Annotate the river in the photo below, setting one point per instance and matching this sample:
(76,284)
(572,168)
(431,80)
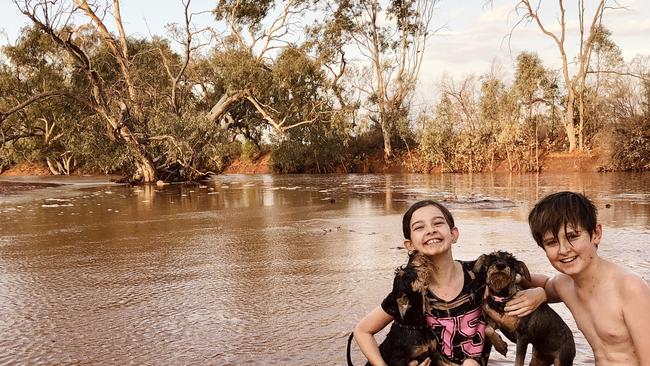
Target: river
(256,269)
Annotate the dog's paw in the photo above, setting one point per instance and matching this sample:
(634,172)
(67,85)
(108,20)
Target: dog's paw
(501,346)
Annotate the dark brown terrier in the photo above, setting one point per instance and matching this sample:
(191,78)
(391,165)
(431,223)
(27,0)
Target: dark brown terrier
(551,338)
(409,337)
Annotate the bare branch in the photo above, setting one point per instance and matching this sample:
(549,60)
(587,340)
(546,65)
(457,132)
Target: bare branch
(36,98)
(621,73)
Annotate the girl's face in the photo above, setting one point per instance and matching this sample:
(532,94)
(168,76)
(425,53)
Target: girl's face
(430,232)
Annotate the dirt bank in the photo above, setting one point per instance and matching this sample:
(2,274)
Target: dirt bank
(558,162)
(18,187)
(404,163)
(21,170)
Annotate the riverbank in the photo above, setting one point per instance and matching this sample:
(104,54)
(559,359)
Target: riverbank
(21,189)
(557,162)
(9,188)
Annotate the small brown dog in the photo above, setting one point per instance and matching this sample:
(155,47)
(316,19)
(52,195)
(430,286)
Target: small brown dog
(409,337)
(551,338)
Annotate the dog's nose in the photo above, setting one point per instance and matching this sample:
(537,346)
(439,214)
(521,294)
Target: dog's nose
(501,266)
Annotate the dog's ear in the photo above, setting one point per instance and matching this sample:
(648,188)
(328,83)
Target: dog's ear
(403,306)
(521,268)
(478,265)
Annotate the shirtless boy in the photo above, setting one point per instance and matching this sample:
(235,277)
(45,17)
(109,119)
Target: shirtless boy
(610,304)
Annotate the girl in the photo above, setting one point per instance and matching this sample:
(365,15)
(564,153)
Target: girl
(455,294)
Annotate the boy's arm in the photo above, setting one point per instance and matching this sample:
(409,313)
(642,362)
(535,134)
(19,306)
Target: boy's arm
(545,282)
(538,290)
(364,333)
(636,302)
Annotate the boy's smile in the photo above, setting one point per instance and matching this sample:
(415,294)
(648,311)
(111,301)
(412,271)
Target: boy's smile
(572,252)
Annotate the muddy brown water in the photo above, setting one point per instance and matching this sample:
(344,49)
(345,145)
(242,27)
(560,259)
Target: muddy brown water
(257,270)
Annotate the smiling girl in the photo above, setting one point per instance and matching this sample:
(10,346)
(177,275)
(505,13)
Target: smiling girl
(455,294)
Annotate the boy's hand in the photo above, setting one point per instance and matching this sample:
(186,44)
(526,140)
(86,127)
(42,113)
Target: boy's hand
(525,302)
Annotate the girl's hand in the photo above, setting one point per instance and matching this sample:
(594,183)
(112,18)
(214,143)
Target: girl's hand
(426,362)
(525,302)
(470,362)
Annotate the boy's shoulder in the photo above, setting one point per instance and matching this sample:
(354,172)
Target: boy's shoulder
(618,281)
(633,285)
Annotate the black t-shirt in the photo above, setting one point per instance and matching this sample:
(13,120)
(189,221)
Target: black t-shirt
(457,324)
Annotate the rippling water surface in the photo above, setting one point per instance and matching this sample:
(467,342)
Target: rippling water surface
(260,270)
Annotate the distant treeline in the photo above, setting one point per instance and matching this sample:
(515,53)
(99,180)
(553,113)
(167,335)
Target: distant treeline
(79,97)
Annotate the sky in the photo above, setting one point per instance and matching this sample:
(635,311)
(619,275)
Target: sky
(472,37)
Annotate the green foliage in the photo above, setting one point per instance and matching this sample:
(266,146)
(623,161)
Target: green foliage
(631,145)
(244,11)
(438,139)
(249,151)
(306,91)
(313,149)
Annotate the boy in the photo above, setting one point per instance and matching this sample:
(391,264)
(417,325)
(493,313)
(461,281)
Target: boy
(610,304)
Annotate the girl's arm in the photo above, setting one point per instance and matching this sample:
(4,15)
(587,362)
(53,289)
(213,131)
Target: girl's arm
(636,302)
(364,333)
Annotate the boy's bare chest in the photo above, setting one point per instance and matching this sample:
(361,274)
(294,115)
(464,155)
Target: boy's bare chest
(601,322)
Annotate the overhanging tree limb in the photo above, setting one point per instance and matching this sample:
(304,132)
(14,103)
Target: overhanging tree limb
(36,98)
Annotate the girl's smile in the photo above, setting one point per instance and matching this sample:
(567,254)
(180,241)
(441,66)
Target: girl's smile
(430,232)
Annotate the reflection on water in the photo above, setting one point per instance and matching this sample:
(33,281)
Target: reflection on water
(256,269)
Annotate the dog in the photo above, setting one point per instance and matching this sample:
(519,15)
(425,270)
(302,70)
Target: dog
(551,338)
(409,337)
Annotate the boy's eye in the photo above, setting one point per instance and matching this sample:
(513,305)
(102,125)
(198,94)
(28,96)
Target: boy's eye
(573,235)
(438,223)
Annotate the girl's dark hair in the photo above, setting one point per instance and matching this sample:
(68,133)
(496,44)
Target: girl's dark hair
(557,210)
(406,219)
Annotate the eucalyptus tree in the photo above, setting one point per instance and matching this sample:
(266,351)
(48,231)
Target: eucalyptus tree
(392,37)
(138,89)
(439,139)
(257,35)
(535,89)
(121,110)
(35,121)
(588,30)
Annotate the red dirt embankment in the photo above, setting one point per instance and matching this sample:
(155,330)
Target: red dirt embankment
(259,165)
(22,170)
(557,162)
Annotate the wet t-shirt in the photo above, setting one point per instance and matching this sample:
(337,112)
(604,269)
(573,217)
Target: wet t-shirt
(457,324)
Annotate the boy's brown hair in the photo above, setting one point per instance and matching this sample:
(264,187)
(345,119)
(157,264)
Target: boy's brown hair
(558,210)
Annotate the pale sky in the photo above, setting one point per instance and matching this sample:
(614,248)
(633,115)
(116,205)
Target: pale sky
(473,38)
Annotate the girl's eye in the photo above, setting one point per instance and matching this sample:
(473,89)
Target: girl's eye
(417,227)
(550,243)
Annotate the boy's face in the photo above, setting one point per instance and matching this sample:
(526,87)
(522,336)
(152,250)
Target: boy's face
(430,233)
(572,253)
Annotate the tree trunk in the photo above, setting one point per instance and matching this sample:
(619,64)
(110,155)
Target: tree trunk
(147,169)
(568,123)
(226,101)
(385,131)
